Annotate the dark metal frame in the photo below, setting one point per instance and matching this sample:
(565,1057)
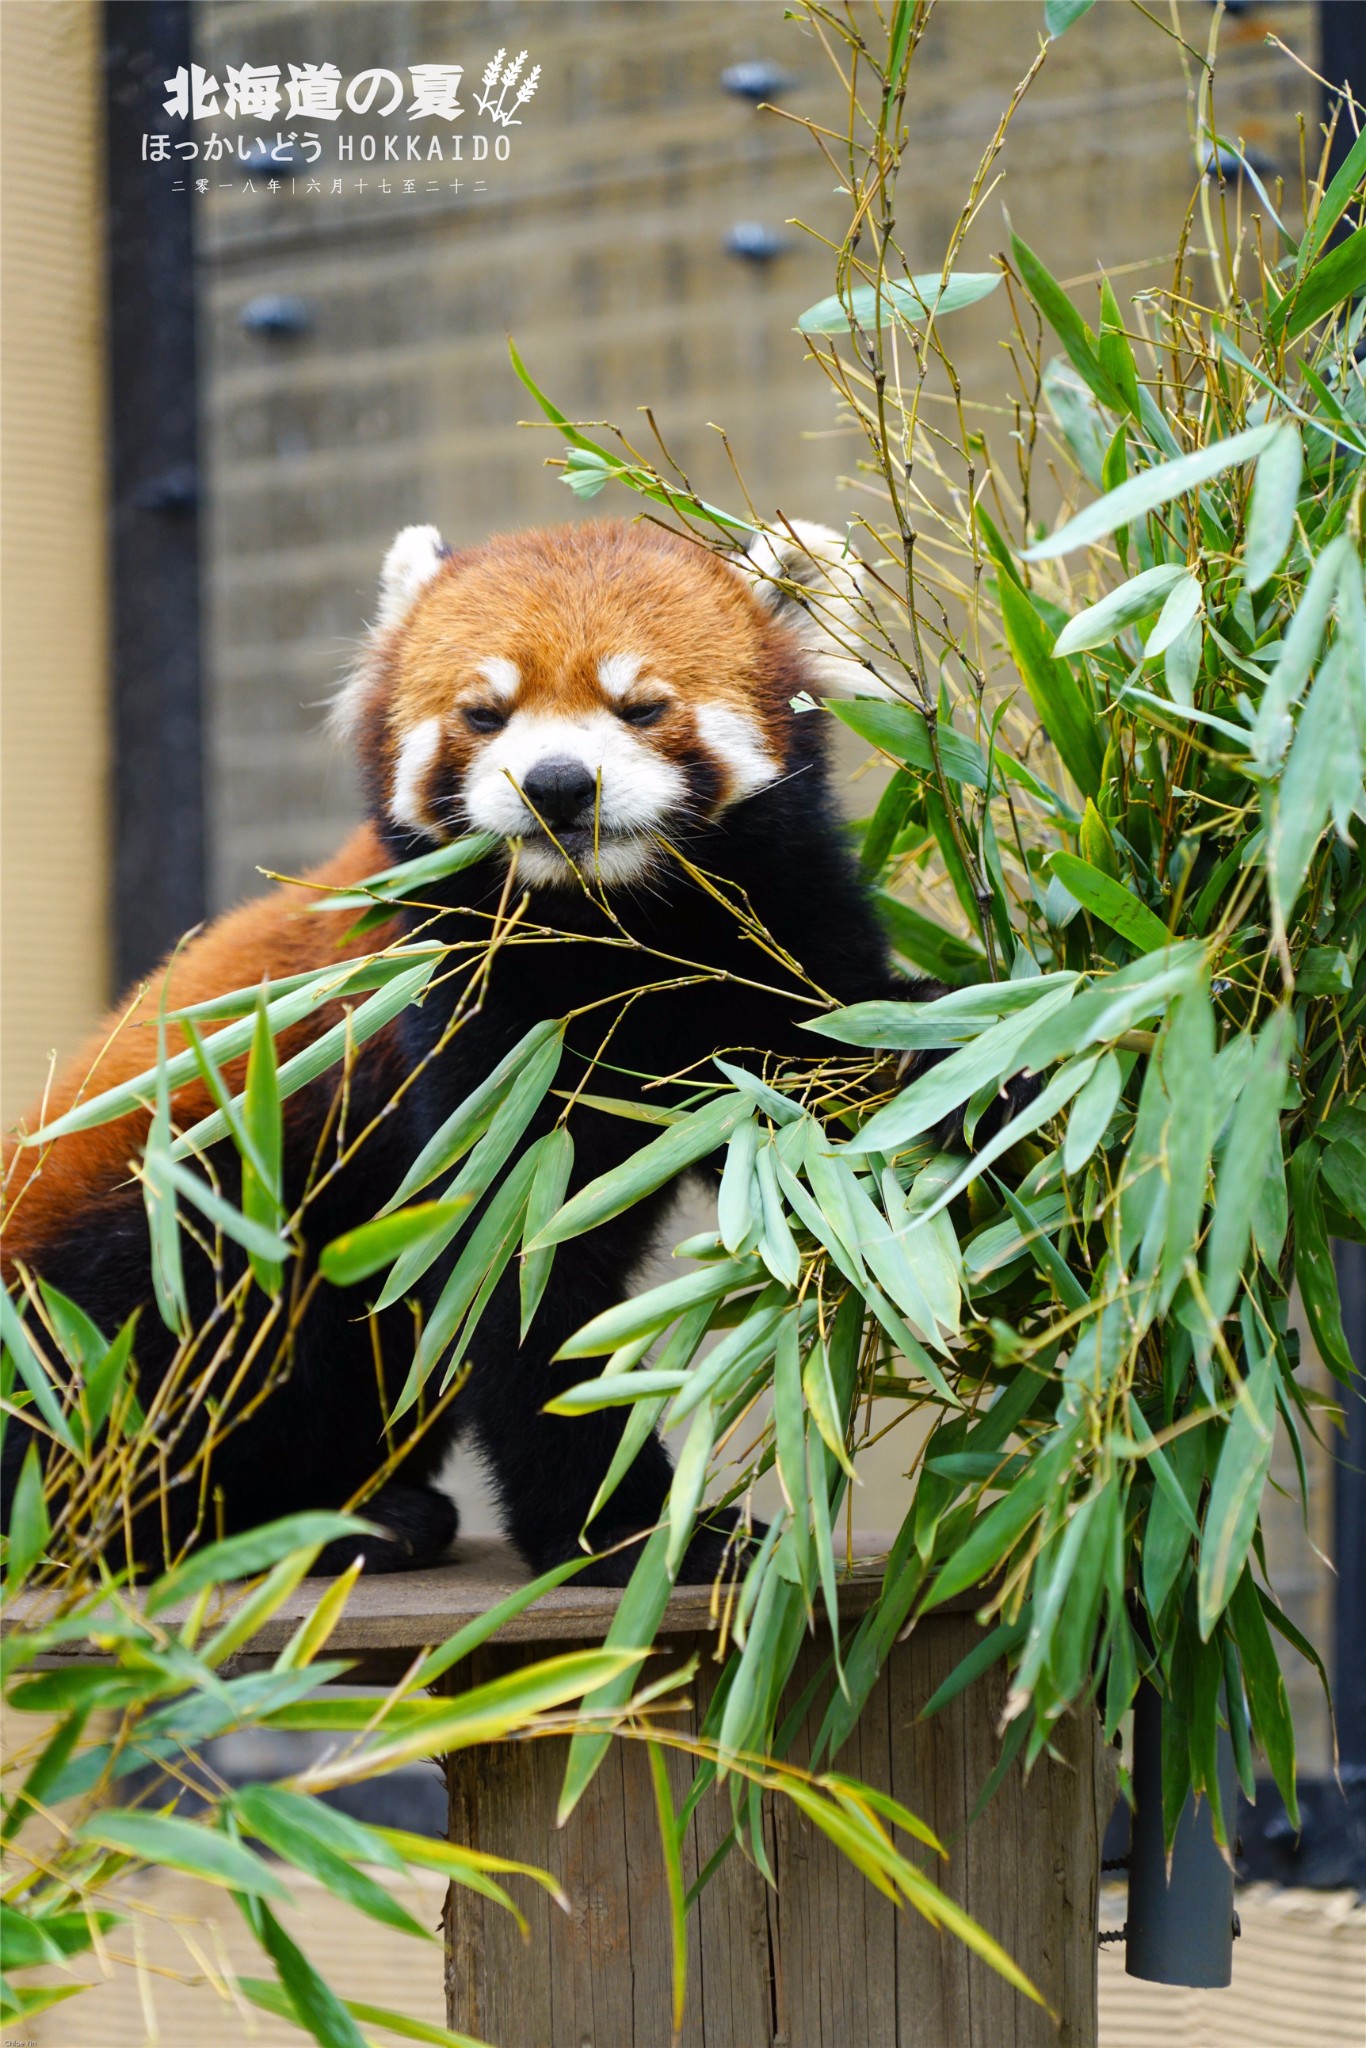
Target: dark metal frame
(158,849)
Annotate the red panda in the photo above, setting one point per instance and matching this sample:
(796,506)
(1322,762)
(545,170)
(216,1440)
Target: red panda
(602,698)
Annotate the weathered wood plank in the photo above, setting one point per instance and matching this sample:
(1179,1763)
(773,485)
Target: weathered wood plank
(825,1959)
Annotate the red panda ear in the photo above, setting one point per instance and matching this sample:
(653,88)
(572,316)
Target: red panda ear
(413,559)
(809,577)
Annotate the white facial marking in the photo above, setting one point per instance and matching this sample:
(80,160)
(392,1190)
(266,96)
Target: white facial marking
(502,676)
(738,744)
(639,788)
(412,561)
(407,803)
(621,860)
(617,672)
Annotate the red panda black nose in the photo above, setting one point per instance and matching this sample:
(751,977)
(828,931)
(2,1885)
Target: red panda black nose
(561,791)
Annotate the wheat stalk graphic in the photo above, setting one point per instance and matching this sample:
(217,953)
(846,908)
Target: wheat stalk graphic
(532,81)
(491,71)
(499,79)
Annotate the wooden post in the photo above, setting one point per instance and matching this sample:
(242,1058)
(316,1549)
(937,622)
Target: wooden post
(822,1960)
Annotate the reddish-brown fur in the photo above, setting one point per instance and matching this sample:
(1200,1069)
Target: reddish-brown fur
(274,935)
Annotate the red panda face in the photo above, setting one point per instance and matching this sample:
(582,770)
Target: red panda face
(588,693)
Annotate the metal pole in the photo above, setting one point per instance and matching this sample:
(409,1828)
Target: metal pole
(1181,1924)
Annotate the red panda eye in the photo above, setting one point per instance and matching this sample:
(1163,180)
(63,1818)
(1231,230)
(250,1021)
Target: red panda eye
(645,714)
(484,718)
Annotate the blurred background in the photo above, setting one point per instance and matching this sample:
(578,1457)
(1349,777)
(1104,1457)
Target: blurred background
(219,404)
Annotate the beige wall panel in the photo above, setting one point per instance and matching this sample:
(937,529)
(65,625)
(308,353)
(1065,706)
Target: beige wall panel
(54,761)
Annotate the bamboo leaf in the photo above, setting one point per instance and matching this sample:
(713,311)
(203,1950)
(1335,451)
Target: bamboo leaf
(554,1165)
(32,1370)
(1323,775)
(777,1245)
(1299,649)
(681,1146)
(283,1011)
(1272,1723)
(1063,317)
(1059,15)
(639,1613)
(927,945)
(241,1557)
(670,1843)
(913,300)
(949,1020)
(1188,1073)
(286,1823)
(274,1999)
(991,1536)
(1053,690)
(1092,1111)
(471,1118)
(689,1483)
(1334,201)
(644,1314)
(932,1096)
(1314,1269)
(400,884)
(255,1238)
(469,1638)
(1178,614)
(1236,1494)
(525,1092)
(1255,1131)
(1327,281)
(477,1271)
(735,1201)
(365,1020)
(900,730)
(1121,607)
(159,1203)
(487,1713)
(317,2008)
(107,1375)
(29,1527)
(1151,489)
(185,1845)
(1275,497)
(1111,902)
(262,1165)
(371,1246)
(818,1386)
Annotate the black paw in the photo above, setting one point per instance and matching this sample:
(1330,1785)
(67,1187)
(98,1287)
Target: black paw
(419,1526)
